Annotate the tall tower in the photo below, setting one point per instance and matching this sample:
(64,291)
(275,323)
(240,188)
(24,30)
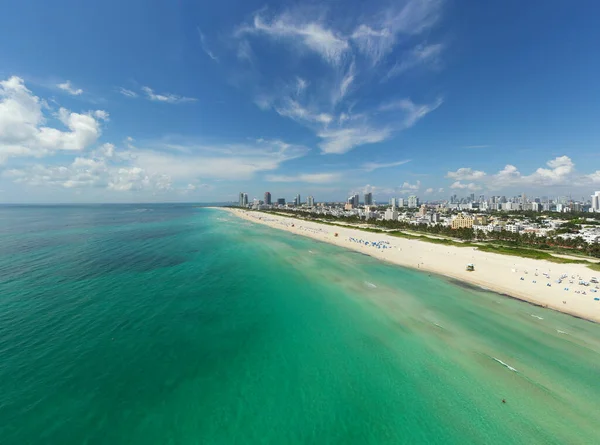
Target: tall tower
(298,201)
(241,200)
(596,202)
(268,198)
(369,199)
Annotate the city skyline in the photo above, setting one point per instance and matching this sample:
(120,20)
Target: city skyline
(414,200)
(414,97)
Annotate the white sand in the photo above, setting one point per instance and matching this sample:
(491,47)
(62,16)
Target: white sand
(500,273)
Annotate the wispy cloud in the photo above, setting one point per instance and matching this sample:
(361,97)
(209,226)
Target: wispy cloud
(421,55)
(297,29)
(205,47)
(477,146)
(371,166)
(377,37)
(327,99)
(342,140)
(166,97)
(66,86)
(312,178)
(414,112)
(127,93)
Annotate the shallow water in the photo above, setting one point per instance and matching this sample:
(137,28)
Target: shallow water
(173,324)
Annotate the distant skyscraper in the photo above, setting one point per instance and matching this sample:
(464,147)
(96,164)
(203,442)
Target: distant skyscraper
(241,201)
(369,199)
(268,198)
(310,201)
(400,203)
(245,199)
(281,201)
(356,201)
(297,201)
(413,202)
(393,202)
(596,202)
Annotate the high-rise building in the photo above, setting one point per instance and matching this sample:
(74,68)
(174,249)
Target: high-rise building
(241,201)
(393,203)
(297,200)
(413,202)
(400,203)
(310,201)
(245,200)
(356,201)
(369,199)
(268,198)
(596,202)
(281,201)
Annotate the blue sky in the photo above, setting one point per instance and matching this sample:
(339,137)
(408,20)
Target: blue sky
(197,101)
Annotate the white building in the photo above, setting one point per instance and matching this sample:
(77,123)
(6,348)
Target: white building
(413,202)
(391,215)
(596,202)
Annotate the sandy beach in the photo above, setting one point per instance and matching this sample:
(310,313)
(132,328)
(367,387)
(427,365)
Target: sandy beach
(534,281)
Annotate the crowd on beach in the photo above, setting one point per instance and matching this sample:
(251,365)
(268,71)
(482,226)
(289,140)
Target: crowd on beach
(574,280)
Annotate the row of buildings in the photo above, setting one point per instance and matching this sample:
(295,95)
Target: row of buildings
(469,203)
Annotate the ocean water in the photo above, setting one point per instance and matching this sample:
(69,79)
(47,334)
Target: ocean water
(169,324)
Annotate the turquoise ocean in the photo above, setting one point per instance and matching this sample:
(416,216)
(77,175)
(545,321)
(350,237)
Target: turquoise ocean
(172,324)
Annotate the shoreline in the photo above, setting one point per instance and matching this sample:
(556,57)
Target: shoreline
(494,272)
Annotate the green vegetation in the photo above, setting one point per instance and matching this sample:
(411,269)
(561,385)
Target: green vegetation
(510,246)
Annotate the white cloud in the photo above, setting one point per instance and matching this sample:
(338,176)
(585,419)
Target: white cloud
(205,47)
(413,112)
(377,38)
(476,146)
(559,171)
(292,109)
(313,178)
(408,187)
(342,140)
(429,191)
(301,85)
(466,174)
(371,166)
(127,93)
(594,177)
(460,186)
(93,172)
(157,170)
(295,29)
(166,97)
(346,83)
(228,161)
(66,86)
(352,49)
(420,55)
(441,190)
(22,129)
